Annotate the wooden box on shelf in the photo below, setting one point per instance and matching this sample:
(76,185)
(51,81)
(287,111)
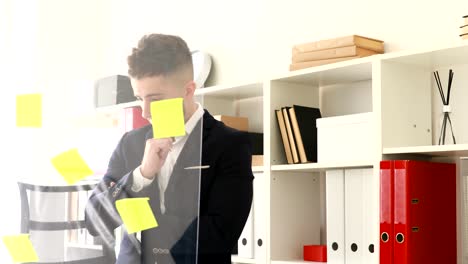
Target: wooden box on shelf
(236,122)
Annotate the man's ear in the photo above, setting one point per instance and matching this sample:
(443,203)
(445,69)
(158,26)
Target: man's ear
(190,89)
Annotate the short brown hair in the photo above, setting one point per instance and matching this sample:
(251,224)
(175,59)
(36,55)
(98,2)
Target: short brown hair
(158,54)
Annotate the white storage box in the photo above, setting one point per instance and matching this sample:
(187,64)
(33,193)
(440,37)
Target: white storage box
(346,138)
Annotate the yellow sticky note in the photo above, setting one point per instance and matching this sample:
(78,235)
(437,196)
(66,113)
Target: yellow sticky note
(168,118)
(71,166)
(29,110)
(20,248)
(136,214)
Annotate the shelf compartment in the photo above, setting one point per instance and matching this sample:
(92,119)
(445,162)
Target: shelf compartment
(333,101)
(240,100)
(317,167)
(296,213)
(410,100)
(458,150)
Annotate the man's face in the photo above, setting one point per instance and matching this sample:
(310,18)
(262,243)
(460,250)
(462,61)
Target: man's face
(156,88)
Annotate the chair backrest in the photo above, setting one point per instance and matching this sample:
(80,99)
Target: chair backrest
(27,225)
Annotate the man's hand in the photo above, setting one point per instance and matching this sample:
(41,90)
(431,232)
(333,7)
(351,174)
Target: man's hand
(156,151)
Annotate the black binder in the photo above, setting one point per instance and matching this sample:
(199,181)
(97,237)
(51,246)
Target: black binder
(303,121)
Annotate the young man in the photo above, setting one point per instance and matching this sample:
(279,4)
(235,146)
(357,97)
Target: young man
(201,210)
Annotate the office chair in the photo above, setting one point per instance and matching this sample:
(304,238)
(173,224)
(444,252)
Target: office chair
(27,225)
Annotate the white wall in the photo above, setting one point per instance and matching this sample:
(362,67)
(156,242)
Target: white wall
(250,39)
(50,47)
(12,71)
(230,30)
(53,48)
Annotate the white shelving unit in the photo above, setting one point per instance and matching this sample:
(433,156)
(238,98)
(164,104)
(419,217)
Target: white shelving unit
(398,88)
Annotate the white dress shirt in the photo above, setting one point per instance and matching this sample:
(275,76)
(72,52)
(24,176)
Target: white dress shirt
(139,182)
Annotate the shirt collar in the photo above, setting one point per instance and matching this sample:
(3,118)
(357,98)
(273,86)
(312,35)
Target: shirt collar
(190,124)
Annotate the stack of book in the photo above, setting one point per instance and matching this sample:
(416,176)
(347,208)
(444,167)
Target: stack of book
(297,125)
(334,50)
(464,28)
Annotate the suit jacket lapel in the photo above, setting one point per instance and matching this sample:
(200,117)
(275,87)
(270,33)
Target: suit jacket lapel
(190,156)
(149,133)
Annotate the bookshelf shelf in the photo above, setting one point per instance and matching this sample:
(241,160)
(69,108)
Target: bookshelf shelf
(113,108)
(316,167)
(459,150)
(258,168)
(341,72)
(236,92)
(238,260)
(295,262)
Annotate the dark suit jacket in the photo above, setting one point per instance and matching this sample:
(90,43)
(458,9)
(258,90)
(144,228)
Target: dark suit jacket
(224,196)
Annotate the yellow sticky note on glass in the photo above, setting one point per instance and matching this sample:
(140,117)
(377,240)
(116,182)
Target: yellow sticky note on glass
(20,248)
(71,166)
(136,214)
(168,118)
(29,110)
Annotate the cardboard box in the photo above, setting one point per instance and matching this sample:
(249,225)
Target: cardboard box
(236,122)
(257,160)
